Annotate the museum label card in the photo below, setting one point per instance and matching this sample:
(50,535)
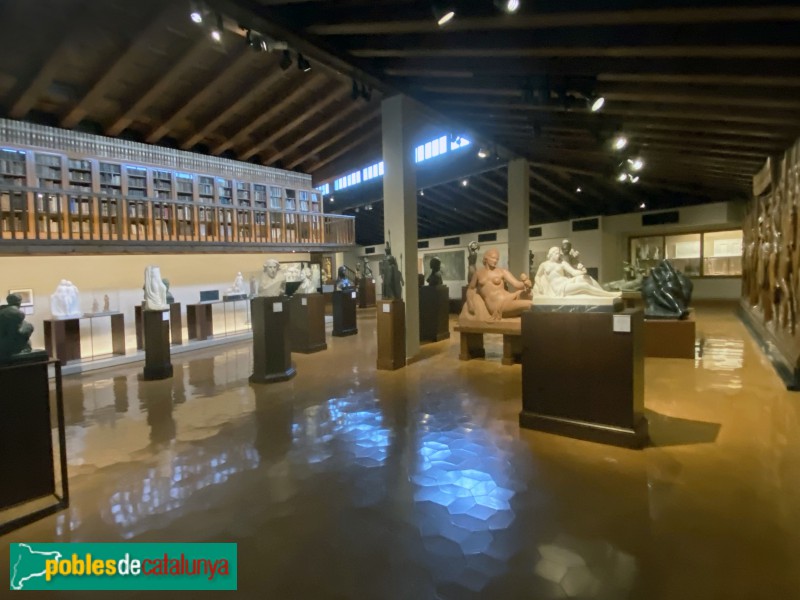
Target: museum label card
(165,315)
(622,323)
(303,301)
(277,307)
(387,307)
(352,294)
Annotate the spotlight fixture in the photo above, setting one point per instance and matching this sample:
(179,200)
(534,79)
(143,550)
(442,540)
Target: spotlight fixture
(303,64)
(422,192)
(507,6)
(578,190)
(636,164)
(620,142)
(634,178)
(331,198)
(483,153)
(642,205)
(443,15)
(596,103)
(464,182)
(622,177)
(286,60)
(216,30)
(196,14)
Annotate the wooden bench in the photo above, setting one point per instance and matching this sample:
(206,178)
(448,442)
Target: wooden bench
(472,340)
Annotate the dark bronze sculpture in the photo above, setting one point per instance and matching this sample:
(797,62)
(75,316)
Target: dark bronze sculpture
(392,277)
(14,330)
(435,278)
(343,282)
(666,292)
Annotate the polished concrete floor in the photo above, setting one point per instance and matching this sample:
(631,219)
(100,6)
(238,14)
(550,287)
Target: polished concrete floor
(347,482)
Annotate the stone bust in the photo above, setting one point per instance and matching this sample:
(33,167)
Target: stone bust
(15,332)
(343,282)
(435,278)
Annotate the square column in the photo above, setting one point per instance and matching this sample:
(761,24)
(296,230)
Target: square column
(519,192)
(400,205)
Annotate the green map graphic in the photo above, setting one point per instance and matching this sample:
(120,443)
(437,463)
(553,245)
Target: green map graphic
(29,564)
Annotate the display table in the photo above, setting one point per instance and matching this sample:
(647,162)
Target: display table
(26,442)
(366,293)
(670,338)
(344,313)
(391,334)
(200,317)
(62,337)
(307,323)
(472,340)
(175,325)
(434,318)
(157,359)
(583,375)
(272,353)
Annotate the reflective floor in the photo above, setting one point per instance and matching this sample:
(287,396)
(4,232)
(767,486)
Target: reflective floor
(347,482)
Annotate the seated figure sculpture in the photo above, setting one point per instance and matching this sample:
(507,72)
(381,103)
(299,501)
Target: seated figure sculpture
(435,278)
(556,278)
(273,280)
(343,283)
(155,292)
(14,330)
(666,292)
(487,298)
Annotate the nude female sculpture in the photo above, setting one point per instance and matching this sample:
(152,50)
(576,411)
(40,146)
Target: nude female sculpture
(558,279)
(486,288)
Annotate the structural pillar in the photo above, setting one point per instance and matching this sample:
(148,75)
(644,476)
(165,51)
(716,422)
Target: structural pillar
(400,204)
(519,191)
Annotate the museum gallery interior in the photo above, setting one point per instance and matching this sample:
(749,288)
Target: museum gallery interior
(405,299)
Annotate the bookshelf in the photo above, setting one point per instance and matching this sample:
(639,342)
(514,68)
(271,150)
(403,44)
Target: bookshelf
(275,198)
(49,205)
(260,196)
(13,203)
(225,192)
(137,182)
(110,186)
(205,189)
(291,200)
(242,193)
(163,185)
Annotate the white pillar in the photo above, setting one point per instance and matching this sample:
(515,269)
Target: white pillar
(400,204)
(519,189)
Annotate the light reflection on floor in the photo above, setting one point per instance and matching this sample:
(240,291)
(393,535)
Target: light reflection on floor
(419,483)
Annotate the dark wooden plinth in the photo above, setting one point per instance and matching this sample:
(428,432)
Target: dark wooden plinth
(391,334)
(175,325)
(199,321)
(26,446)
(344,313)
(62,339)
(307,323)
(434,324)
(272,352)
(582,379)
(366,293)
(472,341)
(157,359)
(670,338)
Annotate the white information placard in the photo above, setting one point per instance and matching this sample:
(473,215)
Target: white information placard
(165,315)
(303,301)
(387,307)
(352,294)
(277,307)
(622,323)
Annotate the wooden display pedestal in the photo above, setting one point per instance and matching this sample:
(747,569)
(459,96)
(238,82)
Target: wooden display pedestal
(27,469)
(391,335)
(670,338)
(200,321)
(583,376)
(62,337)
(344,313)
(366,293)
(272,353)
(307,323)
(157,359)
(175,325)
(434,324)
(472,340)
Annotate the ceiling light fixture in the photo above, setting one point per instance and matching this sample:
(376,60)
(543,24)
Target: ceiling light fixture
(579,190)
(596,103)
(443,15)
(303,64)
(422,192)
(637,164)
(507,6)
(642,205)
(331,199)
(196,13)
(483,153)
(620,142)
(622,177)
(634,179)
(464,182)
(286,60)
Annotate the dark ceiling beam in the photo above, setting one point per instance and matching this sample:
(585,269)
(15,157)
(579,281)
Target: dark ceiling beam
(305,87)
(158,88)
(758,81)
(222,77)
(324,125)
(371,132)
(360,156)
(264,86)
(357,124)
(133,45)
(34,85)
(488,208)
(438,205)
(564,19)
(318,106)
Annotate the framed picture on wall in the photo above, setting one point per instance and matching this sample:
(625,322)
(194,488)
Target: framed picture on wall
(25,293)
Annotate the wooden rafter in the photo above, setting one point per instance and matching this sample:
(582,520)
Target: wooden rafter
(370,133)
(335,138)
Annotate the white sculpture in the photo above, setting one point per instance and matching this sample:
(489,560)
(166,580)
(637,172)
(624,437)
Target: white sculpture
(556,278)
(307,284)
(65,303)
(155,292)
(238,288)
(273,280)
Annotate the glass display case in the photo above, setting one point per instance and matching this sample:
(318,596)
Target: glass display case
(704,254)
(684,252)
(722,253)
